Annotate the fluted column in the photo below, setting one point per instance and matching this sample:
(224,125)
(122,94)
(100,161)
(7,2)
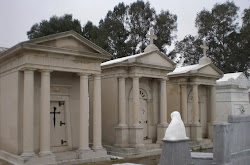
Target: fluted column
(122,102)
(97,118)
(45,114)
(213,103)
(28,114)
(136,101)
(184,103)
(84,112)
(163,103)
(195,104)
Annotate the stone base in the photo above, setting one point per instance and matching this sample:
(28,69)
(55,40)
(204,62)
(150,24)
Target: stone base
(161,129)
(176,152)
(147,150)
(188,130)
(136,137)
(210,130)
(196,131)
(121,136)
(60,158)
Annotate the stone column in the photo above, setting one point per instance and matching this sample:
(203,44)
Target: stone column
(161,128)
(195,126)
(195,104)
(184,103)
(97,114)
(136,131)
(84,112)
(184,111)
(136,101)
(28,114)
(45,114)
(122,102)
(213,103)
(121,131)
(212,111)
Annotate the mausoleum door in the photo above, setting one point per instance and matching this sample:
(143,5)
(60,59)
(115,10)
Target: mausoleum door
(144,113)
(57,126)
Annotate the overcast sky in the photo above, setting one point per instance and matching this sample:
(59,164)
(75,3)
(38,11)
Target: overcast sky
(17,16)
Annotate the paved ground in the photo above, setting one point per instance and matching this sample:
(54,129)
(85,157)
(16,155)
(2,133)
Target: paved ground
(2,162)
(151,160)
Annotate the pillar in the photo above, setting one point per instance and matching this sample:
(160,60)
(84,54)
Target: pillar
(84,112)
(28,114)
(122,102)
(163,103)
(136,131)
(184,113)
(136,101)
(45,114)
(162,126)
(213,103)
(212,111)
(195,104)
(97,118)
(195,126)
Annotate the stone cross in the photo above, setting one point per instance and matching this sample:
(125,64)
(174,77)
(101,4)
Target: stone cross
(151,36)
(205,48)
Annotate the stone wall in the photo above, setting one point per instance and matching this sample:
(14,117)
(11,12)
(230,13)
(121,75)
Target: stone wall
(231,141)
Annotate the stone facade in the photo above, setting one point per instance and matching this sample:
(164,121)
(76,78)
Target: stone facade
(44,100)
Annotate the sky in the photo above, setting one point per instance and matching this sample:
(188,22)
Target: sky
(17,16)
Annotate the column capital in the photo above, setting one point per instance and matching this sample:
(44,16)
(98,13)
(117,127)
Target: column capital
(195,83)
(164,79)
(83,74)
(45,70)
(28,69)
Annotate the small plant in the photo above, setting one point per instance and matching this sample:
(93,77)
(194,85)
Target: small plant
(113,158)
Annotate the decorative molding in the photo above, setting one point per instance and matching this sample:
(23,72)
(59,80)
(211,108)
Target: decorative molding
(61,90)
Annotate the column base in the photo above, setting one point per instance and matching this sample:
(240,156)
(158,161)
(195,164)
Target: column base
(188,129)
(45,153)
(28,155)
(82,153)
(136,136)
(161,129)
(121,136)
(96,148)
(195,131)
(210,130)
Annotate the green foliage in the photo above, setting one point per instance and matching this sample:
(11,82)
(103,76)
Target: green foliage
(54,25)
(228,43)
(122,32)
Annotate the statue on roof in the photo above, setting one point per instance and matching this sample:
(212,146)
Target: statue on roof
(204,59)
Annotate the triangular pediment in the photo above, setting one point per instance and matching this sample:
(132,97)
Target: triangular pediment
(155,58)
(210,70)
(69,40)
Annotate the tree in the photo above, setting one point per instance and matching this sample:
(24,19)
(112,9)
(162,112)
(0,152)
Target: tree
(228,46)
(54,25)
(122,32)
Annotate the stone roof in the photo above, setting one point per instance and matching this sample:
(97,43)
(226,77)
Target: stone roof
(237,79)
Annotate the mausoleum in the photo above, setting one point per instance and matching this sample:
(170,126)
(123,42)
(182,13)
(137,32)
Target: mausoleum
(141,91)
(47,86)
(232,95)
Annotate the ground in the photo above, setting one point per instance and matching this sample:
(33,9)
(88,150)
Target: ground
(150,160)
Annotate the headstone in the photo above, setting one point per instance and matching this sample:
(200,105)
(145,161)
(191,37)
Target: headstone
(175,149)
